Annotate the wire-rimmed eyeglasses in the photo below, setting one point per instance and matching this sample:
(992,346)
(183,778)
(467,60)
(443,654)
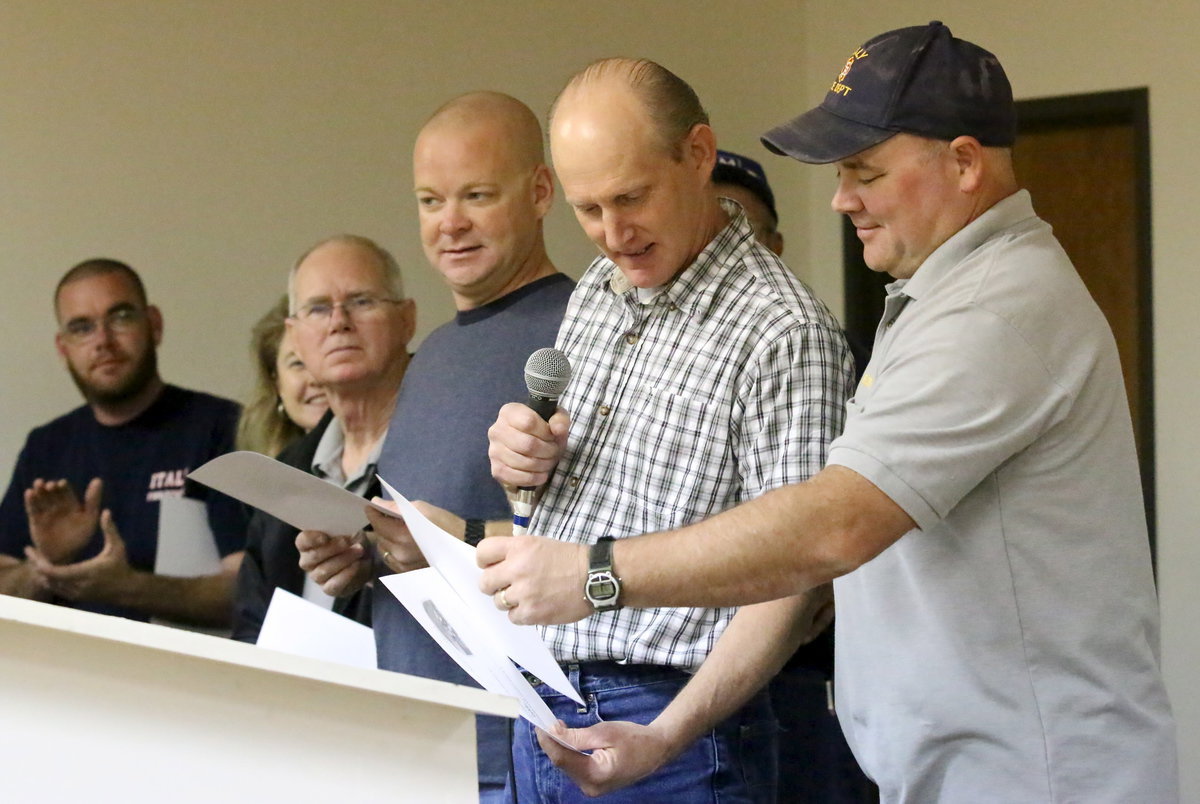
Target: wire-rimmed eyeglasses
(120,319)
(357,306)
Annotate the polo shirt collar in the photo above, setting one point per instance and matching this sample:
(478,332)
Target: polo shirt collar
(327,460)
(1002,216)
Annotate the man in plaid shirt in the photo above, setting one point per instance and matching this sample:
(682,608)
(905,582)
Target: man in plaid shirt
(981,512)
(704,375)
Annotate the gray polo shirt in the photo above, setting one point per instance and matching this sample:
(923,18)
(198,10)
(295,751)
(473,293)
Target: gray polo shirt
(1008,648)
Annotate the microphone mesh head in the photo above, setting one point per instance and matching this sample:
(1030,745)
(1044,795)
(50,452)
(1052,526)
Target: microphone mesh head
(547,372)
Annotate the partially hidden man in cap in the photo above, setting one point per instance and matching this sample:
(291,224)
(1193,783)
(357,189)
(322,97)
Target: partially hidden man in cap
(998,634)
(815,763)
(744,180)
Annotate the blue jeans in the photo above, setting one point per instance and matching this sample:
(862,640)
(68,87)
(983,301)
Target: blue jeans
(733,763)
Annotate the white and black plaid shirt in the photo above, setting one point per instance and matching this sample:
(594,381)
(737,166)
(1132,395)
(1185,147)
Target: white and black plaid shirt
(731,382)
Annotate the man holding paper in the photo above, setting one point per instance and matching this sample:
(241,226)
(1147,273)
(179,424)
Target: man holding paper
(482,189)
(350,323)
(705,374)
(998,629)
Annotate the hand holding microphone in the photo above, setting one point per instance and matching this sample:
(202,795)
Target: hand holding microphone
(526,440)
(547,372)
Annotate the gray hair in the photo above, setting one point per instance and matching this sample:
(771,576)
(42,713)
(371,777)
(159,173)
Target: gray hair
(392,279)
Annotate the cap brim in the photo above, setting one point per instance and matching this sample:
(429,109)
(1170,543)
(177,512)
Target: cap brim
(819,137)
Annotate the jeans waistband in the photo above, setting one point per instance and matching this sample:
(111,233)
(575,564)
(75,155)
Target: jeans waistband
(595,676)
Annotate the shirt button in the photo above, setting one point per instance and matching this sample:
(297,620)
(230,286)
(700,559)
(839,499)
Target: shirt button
(631,338)
(604,410)
(888,325)
(573,482)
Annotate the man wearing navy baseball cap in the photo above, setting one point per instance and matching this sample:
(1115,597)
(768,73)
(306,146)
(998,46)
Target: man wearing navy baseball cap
(744,180)
(998,630)
(815,763)
(921,81)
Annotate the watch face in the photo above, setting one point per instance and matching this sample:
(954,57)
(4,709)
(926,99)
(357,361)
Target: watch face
(602,587)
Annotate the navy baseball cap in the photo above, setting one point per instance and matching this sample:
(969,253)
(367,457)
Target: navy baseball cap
(919,80)
(743,171)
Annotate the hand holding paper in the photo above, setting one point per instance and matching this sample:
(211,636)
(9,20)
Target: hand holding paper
(444,598)
(454,561)
(340,565)
(394,540)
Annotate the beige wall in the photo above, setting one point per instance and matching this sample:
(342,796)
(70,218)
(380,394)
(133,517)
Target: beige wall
(208,142)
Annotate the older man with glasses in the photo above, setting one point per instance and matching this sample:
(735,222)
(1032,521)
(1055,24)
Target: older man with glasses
(129,447)
(350,323)
(482,190)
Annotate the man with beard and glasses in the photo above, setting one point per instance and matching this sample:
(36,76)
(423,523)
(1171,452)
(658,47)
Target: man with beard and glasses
(131,445)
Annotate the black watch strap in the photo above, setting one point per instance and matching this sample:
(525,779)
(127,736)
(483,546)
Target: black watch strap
(475,531)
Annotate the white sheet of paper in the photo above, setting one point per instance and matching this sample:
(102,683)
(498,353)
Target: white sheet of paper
(309,503)
(441,612)
(285,492)
(455,562)
(294,625)
(186,547)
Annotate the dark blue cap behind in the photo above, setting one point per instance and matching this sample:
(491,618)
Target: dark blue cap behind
(743,171)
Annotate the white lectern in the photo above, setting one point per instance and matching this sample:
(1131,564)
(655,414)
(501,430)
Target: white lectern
(97,709)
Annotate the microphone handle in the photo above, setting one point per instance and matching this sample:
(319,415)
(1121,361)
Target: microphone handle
(523,509)
(543,406)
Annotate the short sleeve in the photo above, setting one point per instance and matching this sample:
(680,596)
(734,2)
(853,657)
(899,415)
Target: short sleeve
(964,394)
(14,525)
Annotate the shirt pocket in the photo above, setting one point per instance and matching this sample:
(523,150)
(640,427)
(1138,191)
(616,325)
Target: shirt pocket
(680,459)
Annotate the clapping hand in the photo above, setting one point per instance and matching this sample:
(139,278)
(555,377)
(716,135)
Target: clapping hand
(59,524)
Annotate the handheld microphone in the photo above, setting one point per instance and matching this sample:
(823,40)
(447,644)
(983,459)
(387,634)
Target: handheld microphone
(547,372)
